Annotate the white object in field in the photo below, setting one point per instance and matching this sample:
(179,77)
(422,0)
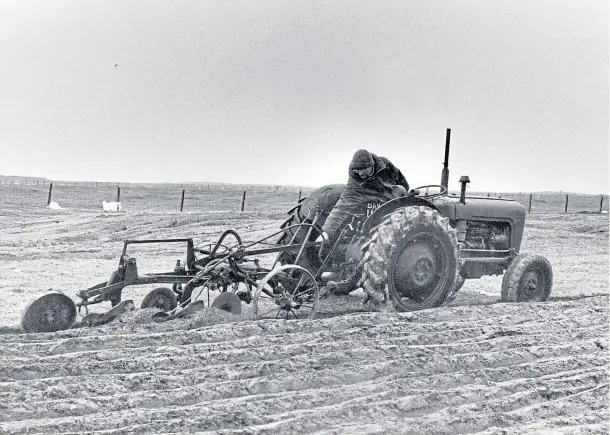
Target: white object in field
(54,206)
(111,206)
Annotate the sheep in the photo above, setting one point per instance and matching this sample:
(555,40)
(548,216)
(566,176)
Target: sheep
(111,206)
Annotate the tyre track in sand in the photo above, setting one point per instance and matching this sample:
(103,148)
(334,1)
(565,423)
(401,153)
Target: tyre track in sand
(483,369)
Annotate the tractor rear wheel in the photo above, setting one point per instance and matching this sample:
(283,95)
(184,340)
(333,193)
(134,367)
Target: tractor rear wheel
(411,260)
(459,283)
(529,278)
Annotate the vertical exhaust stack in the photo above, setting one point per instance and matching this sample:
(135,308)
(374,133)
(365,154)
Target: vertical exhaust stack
(445,174)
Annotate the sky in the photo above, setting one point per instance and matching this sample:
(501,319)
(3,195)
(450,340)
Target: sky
(285,91)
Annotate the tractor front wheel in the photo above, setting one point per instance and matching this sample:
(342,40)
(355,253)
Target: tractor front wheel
(411,260)
(529,278)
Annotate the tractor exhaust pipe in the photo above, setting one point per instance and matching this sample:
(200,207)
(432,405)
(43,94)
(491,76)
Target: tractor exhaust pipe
(445,173)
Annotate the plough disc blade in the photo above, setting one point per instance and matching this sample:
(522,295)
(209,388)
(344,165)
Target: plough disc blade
(49,313)
(229,302)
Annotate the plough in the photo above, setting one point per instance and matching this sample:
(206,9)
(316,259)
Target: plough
(287,291)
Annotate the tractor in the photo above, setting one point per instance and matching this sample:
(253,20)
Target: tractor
(415,252)
(419,249)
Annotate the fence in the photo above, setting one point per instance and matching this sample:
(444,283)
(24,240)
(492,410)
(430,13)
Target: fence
(225,197)
(555,202)
(152,197)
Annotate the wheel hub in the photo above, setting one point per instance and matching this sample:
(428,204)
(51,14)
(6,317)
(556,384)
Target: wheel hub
(416,268)
(423,271)
(285,302)
(531,284)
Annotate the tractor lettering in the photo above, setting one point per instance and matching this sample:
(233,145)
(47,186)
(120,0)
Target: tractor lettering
(371,207)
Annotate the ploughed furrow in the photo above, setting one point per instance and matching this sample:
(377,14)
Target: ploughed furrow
(405,333)
(307,390)
(111,347)
(181,331)
(420,358)
(277,376)
(589,423)
(593,422)
(446,370)
(465,409)
(327,353)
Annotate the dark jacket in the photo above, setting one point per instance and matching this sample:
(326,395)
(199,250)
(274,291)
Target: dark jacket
(358,192)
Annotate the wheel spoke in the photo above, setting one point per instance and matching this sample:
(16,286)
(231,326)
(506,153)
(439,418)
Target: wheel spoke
(302,291)
(267,312)
(264,296)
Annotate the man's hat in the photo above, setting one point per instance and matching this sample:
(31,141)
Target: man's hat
(362,159)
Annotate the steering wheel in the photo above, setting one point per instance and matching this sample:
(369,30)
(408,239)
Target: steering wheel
(443,190)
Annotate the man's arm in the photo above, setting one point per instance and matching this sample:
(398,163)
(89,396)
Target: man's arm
(397,175)
(335,219)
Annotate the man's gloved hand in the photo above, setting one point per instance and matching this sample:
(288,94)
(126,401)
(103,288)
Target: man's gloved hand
(413,192)
(323,237)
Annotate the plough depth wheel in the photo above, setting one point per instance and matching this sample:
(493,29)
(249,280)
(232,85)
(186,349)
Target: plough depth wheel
(49,313)
(289,291)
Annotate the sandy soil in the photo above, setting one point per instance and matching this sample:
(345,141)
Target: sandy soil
(477,366)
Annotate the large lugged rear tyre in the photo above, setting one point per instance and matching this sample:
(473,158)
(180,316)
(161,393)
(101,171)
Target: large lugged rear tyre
(529,278)
(411,260)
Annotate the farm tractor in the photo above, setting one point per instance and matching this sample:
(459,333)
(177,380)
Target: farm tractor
(416,251)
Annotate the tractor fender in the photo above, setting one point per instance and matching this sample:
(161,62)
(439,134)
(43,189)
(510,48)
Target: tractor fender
(388,207)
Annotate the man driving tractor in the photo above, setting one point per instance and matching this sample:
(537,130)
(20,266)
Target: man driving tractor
(372,180)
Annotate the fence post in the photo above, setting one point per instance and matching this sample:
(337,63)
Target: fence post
(529,209)
(118,197)
(182,201)
(243,201)
(300,195)
(601,203)
(50,191)
(566,208)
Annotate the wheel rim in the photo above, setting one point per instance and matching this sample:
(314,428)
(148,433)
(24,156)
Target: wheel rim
(289,292)
(417,270)
(532,286)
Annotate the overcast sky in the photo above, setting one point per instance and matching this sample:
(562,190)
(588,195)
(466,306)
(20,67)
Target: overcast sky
(285,91)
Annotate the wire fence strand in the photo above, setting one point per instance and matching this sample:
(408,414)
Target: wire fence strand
(234,197)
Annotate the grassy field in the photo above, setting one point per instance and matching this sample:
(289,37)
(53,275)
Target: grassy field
(202,198)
